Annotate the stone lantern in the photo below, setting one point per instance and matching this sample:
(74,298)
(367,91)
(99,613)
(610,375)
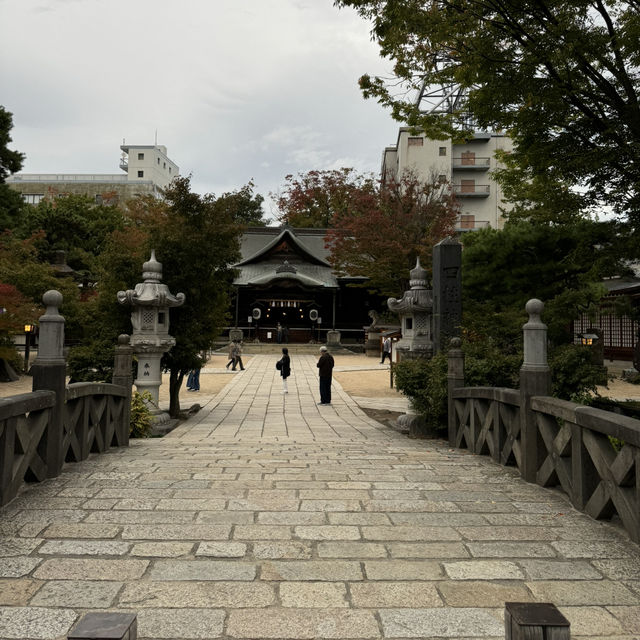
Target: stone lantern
(151,301)
(415,309)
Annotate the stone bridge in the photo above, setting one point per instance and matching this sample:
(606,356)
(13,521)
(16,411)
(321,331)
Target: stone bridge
(268,516)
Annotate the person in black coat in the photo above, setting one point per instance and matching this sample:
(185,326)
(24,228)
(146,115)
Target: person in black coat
(284,366)
(325,370)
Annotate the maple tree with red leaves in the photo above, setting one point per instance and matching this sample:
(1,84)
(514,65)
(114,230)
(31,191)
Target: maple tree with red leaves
(382,241)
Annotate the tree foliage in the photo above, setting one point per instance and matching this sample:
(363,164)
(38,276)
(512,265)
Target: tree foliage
(381,238)
(11,202)
(315,198)
(562,77)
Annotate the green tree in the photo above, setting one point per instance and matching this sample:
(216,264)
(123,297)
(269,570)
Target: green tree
(197,242)
(243,205)
(561,77)
(11,202)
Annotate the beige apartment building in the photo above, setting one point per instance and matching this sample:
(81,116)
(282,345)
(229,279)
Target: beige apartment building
(148,170)
(467,167)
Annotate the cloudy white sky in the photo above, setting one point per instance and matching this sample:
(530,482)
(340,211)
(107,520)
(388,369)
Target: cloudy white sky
(236,89)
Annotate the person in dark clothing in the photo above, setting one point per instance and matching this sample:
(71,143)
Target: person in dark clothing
(284,366)
(325,371)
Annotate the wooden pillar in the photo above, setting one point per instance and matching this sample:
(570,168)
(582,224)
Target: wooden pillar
(535,380)
(49,373)
(455,380)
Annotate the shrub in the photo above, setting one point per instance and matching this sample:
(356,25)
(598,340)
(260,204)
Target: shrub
(574,376)
(140,425)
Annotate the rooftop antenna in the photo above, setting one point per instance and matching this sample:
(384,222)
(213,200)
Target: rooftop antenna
(156,142)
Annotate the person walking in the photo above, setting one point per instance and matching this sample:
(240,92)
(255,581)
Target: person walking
(386,350)
(325,371)
(237,355)
(232,360)
(284,366)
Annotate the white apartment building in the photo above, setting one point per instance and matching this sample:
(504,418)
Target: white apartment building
(467,167)
(148,170)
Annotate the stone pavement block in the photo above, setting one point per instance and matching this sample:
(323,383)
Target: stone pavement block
(225,517)
(409,534)
(535,534)
(292,518)
(312,570)
(176,623)
(402,570)
(17,592)
(357,518)
(610,549)
(441,623)
(483,570)
(480,593)
(161,549)
(351,550)
(17,567)
(17,546)
(378,595)
(582,593)
(176,532)
(84,548)
(140,517)
(222,549)
(183,504)
(334,494)
(409,506)
(182,570)
(262,532)
(80,530)
(313,594)
(303,624)
(91,569)
(81,594)
(511,550)
(188,595)
(593,621)
(330,505)
(327,532)
(629,617)
(426,550)
(559,570)
(280,550)
(35,623)
(619,569)
(448,519)
(263,504)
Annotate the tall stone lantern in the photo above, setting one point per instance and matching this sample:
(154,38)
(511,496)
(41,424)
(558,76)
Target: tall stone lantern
(415,309)
(151,301)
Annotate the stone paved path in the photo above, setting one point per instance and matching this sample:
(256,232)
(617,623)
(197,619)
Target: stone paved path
(268,516)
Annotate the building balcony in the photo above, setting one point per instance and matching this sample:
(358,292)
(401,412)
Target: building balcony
(471,164)
(471,190)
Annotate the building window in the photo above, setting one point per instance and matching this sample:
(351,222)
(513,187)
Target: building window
(169,169)
(467,186)
(140,174)
(415,142)
(99,199)
(32,198)
(442,178)
(141,156)
(164,165)
(467,221)
(442,151)
(158,160)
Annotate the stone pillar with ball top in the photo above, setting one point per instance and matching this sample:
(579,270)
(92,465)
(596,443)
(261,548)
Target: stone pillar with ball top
(151,301)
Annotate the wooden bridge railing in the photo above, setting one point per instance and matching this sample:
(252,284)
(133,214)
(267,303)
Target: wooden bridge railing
(54,424)
(552,442)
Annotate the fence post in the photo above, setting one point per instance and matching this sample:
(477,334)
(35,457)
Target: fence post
(49,373)
(535,380)
(122,376)
(455,380)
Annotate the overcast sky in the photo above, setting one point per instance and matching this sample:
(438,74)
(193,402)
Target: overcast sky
(236,89)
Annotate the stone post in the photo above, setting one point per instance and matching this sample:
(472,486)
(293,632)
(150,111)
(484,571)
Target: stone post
(49,373)
(122,376)
(447,292)
(455,380)
(535,380)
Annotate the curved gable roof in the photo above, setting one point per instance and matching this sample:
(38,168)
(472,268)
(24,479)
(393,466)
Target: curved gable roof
(287,236)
